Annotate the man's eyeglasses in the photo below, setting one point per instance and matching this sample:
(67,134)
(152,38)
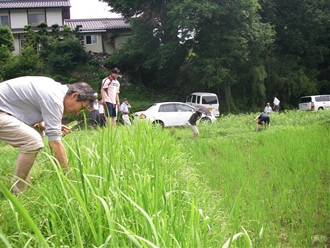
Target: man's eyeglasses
(82,105)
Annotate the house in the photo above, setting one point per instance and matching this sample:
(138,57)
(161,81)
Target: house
(100,35)
(104,35)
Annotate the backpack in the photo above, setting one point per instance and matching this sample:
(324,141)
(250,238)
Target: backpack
(105,79)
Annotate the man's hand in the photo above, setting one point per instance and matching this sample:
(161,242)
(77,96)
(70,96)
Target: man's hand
(65,130)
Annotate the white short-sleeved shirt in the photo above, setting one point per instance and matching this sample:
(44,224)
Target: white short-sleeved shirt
(111,89)
(33,99)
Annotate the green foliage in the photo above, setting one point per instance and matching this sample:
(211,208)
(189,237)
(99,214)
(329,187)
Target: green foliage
(6,38)
(64,55)
(230,187)
(245,51)
(28,63)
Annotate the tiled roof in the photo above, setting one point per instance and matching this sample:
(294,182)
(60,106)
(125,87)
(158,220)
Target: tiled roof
(24,4)
(102,24)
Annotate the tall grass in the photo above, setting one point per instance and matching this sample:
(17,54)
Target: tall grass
(129,188)
(139,186)
(274,183)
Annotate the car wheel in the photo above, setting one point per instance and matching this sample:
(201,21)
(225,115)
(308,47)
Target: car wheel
(206,120)
(158,123)
(320,108)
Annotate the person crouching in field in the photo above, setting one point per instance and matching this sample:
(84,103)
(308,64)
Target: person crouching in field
(30,100)
(200,110)
(262,119)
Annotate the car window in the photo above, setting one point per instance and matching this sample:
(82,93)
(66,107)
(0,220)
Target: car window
(305,99)
(198,99)
(193,99)
(184,108)
(322,98)
(167,108)
(209,100)
(189,99)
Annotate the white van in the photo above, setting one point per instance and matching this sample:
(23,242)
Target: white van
(319,102)
(209,100)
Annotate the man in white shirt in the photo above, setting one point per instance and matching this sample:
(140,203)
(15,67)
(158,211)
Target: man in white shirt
(110,94)
(29,101)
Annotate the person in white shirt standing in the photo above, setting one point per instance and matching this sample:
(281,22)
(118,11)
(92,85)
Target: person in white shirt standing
(124,109)
(110,94)
(276,103)
(268,109)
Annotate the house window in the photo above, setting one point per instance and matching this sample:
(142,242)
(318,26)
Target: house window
(91,39)
(36,16)
(4,20)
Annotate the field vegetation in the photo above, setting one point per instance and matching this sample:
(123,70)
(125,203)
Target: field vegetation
(141,186)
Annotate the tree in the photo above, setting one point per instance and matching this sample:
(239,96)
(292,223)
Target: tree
(300,64)
(6,38)
(6,47)
(63,56)
(24,64)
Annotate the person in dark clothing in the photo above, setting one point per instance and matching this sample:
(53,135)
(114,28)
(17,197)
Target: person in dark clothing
(200,110)
(262,119)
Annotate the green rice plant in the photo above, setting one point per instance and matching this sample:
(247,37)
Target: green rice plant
(139,186)
(272,182)
(22,213)
(128,187)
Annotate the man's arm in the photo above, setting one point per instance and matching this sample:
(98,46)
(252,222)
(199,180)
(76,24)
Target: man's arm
(59,152)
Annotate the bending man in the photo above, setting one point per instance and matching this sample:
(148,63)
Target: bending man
(27,101)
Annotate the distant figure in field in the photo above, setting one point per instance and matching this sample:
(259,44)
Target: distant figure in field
(276,103)
(124,109)
(200,110)
(262,119)
(268,109)
(94,111)
(110,95)
(102,117)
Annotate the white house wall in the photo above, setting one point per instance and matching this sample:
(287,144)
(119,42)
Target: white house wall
(95,48)
(54,16)
(18,18)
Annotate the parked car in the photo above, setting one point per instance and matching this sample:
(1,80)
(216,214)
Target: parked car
(168,114)
(319,102)
(209,100)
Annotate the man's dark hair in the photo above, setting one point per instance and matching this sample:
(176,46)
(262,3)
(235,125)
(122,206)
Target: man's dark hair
(86,92)
(115,70)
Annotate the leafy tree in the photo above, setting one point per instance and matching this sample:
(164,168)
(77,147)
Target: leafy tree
(302,47)
(63,56)
(26,63)
(247,50)
(6,47)
(6,38)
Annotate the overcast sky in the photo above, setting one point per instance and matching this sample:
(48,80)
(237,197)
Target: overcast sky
(81,9)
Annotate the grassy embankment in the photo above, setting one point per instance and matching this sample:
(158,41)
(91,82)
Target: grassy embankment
(139,186)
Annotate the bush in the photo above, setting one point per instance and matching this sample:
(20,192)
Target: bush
(26,63)
(65,55)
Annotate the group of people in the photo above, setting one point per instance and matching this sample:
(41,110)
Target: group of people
(264,118)
(33,106)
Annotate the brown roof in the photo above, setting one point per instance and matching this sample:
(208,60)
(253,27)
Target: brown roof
(24,4)
(98,25)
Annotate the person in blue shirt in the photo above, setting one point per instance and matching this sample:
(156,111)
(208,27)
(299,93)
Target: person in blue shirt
(262,119)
